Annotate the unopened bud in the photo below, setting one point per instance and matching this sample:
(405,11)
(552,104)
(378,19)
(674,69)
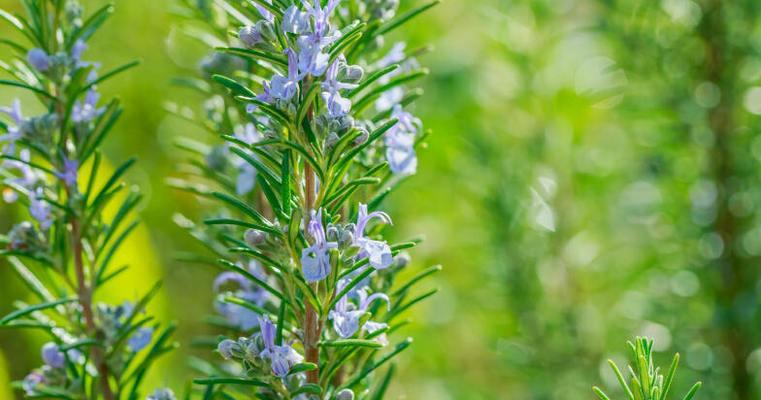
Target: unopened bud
(345,394)
(254,237)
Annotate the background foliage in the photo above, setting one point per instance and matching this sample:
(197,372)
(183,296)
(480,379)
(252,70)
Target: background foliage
(593,174)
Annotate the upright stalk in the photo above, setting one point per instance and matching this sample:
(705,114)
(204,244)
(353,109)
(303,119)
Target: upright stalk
(718,70)
(311,323)
(84,294)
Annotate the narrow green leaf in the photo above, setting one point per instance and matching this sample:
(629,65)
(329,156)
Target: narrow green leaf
(402,19)
(229,381)
(351,343)
(693,391)
(38,307)
(599,393)
(417,278)
(257,54)
(27,87)
(233,85)
(248,275)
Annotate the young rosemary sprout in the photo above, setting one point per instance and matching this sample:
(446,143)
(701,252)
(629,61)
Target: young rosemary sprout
(646,381)
(63,250)
(312,107)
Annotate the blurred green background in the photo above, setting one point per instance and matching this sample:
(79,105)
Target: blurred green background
(593,174)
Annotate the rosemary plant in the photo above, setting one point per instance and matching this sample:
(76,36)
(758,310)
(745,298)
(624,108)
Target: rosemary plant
(646,381)
(63,251)
(312,108)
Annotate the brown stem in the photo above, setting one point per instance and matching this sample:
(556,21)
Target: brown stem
(84,293)
(311,324)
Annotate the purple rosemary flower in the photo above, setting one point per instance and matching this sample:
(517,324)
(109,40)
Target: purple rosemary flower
(140,339)
(312,60)
(241,287)
(246,179)
(40,209)
(38,59)
(315,259)
(86,112)
(31,382)
(400,142)
(321,16)
(264,12)
(69,173)
(285,87)
(295,21)
(52,357)
(346,316)
(377,252)
(337,105)
(27,178)
(14,132)
(282,357)
(77,51)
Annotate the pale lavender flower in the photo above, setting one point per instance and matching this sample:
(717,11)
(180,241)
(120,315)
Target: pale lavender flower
(389,99)
(243,288)
(371,326)
(315,259)
(77,50)
(312,59)
(264,12)
(31,382)
(69,173)
(53,357)
(377,252)
(295,21)
(346,316)
(28,177)
(246,179)
(394,56)
(321,16)
(285,87)
(400,142)
(282,357)
(140,339)
(40,210)
(337,105)
(38,59)
(14,132)
(87,111)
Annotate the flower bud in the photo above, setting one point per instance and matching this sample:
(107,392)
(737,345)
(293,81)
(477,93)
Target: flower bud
(352,73)
(347,238)
(250,36)
(38,59)
(216,160)
(162,394)
(362,138)
(254,237)
(331,140)
(345,394)
(225,348)
(73,11)
(332,233)
(403,259)
(51,356)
